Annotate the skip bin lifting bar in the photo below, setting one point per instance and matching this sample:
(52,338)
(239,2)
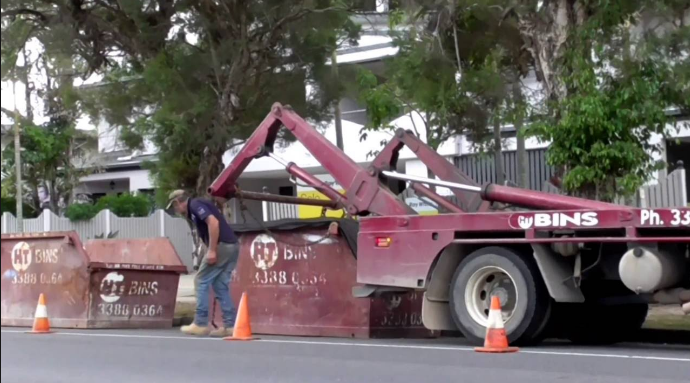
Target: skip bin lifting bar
(565,235)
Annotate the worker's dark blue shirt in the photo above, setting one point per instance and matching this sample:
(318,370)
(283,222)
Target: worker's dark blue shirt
(200,209)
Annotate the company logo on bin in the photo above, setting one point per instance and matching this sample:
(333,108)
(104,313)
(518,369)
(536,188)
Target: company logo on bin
(393,302)
(112,287)
(21,256)
(264,251)
(537,220)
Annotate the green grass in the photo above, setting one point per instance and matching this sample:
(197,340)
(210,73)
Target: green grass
(667,317)
(668,322)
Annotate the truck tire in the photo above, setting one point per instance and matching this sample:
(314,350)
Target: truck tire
(516,280)
(593,324)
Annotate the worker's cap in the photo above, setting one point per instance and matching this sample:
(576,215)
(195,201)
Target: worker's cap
(174,196)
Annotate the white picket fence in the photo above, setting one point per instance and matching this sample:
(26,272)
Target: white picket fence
(159,224)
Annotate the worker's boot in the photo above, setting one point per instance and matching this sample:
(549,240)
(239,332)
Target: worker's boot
(193,329)
(222,332)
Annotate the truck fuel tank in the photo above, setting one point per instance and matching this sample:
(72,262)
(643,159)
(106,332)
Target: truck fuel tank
(645,270)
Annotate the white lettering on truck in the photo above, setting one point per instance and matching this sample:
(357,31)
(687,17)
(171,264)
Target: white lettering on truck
(673,217)
(587,219)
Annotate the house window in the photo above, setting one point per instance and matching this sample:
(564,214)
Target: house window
(365,5)
(96,196)
(288,191)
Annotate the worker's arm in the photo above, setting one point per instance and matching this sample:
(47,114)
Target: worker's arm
(213,235)
(202,213)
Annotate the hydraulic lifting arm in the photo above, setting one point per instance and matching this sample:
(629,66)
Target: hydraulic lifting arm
(471,197)
(388,157)
(364,195)
(365,191)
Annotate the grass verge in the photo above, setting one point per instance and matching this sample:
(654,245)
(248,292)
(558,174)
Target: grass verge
(667,318)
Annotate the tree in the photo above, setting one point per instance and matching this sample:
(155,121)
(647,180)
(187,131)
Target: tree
(196,77)
(606,86)
(456,66)
(42,61)
(609,87)
(9,205)
(48,163)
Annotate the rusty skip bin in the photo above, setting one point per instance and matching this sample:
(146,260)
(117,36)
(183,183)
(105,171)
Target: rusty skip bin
(300,283)
(122,283)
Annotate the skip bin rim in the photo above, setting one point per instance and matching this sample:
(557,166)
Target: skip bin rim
(73,236)
(137,267)
(174,264)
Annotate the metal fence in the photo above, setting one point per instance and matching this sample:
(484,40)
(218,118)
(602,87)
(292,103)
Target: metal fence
(482,168)
(670,191)
(274,211)
(159,224)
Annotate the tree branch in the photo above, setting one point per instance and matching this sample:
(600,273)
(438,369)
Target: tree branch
(302,12)
(24,11)
(8,112)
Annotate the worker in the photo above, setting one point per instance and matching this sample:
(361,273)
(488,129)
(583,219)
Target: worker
(217,265)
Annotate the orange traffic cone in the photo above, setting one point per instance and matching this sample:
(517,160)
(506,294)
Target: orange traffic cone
(496,340)
(41,321)
(243,326)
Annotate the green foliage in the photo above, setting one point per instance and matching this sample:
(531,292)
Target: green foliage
(9,205)
(47,160)
(602,131)
(617,85)
(14,35)
(81,212)
(196,78)
(125,205)
(39,53)
(456,72)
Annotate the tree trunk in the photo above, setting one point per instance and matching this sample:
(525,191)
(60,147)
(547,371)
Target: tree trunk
(430,174)
(35,196)
(545,33)
(338,117)
(210,167)
(71,178)
(54,197)
(27,87)
(522,158)
(498,152)
(18,170)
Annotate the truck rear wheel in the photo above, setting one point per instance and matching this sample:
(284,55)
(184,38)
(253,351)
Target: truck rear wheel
(525,302)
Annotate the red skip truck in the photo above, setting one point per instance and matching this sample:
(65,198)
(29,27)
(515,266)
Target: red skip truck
(576,268)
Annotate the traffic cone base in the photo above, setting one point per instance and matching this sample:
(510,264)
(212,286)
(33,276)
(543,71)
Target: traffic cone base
(41,321)
(243,328)
(32,332)
(230,338)
(496,350)
(496,339)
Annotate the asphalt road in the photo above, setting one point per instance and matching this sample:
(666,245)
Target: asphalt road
(166,356)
